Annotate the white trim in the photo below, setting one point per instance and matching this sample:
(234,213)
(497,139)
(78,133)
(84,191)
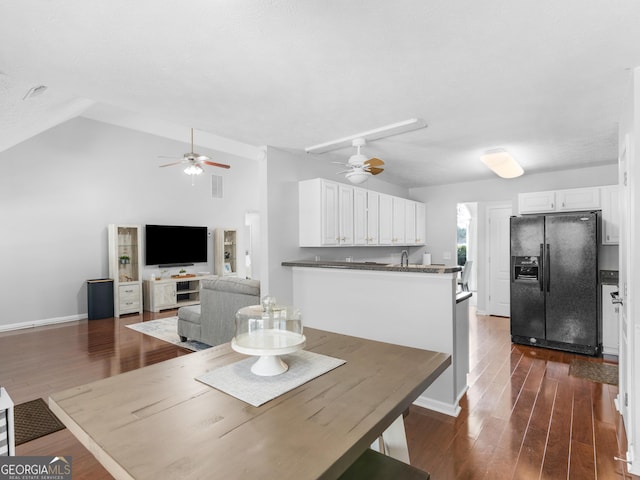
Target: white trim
(451,409)
(40,323)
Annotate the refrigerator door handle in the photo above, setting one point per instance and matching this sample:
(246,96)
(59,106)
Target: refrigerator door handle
(541,268)
(547,268)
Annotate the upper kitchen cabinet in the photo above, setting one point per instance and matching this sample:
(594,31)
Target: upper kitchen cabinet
(578,199)
(414,224)
(373,218)
(570,200)
(537,202)
(334,214)
(360,233)
(610,215)
(326,213)
(385,219)
(397,229)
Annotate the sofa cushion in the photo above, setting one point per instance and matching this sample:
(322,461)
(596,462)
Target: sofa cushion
(233,285)
(189,314)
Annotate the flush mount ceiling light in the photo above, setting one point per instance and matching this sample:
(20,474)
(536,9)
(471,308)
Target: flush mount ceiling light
(502,163)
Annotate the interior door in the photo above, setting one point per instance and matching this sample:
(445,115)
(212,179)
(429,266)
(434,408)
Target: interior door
(498,299)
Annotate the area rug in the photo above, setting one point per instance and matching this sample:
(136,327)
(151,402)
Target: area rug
(34,420)
(167,329)
(597,372)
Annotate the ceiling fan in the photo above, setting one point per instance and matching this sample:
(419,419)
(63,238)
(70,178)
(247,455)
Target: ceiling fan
(194,161)
(361,167)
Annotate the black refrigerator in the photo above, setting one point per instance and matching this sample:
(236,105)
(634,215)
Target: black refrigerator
(554,281)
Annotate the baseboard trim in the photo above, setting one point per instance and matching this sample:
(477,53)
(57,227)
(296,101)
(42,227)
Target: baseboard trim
(453,410)
(41,323)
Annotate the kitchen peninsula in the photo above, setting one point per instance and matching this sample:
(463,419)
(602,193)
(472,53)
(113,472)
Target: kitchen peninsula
(415,306)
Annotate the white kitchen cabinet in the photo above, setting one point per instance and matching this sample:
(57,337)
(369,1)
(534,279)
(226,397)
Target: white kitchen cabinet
(360,217)
(610,215)
(398,233)
(610,321)
(325,213)
(537,202)
(414,225)
(345,214)
(570,200)
(578,199)
(410,222)
(336,214)
(373,218)
(420,223)
(385,227)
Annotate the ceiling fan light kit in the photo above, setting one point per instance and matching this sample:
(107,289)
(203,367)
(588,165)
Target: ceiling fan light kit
(358,176)
(193,169)
(502,163)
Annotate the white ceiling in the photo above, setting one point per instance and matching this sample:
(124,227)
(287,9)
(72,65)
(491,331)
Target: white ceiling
(544,79)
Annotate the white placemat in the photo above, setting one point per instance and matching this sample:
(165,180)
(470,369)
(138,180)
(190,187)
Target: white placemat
(237,380)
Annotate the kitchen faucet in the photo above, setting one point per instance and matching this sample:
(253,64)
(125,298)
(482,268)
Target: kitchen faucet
(404,258)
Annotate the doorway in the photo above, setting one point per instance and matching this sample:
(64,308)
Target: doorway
(467,240)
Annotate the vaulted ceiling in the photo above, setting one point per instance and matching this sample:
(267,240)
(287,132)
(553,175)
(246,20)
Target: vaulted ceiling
(544,79)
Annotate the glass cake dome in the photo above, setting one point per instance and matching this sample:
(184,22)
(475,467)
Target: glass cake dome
(268,330)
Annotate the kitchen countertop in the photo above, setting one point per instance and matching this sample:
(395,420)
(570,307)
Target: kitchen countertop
(387,267)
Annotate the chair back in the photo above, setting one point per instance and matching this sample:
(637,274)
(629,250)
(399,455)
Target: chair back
(466,273)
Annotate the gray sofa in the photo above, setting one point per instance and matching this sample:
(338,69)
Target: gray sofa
(213,321)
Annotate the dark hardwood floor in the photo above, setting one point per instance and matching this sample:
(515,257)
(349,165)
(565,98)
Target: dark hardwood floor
(523,417)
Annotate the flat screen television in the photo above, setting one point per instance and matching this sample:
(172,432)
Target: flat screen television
(175,245)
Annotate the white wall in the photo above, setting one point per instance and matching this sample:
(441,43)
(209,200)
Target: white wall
(283,170)
(441,204)
(60,189)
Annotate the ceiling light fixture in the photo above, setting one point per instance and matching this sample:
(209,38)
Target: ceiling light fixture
(502,163)
(193,169)
(357,176)
(375,134)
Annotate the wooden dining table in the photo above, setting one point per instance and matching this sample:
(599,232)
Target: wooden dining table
(159,422)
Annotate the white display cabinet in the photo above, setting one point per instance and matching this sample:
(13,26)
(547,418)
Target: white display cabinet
(125,267)
(225,252)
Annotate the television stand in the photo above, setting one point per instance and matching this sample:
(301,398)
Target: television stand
(168,293)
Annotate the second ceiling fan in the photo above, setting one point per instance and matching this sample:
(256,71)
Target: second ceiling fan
(360,166)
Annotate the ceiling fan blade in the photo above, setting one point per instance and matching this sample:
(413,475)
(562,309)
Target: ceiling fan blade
(214,164)
(166,156)
(171,164)
(375,170)
(374,162)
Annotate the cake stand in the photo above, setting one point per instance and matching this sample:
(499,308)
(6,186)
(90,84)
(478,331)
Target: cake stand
(268,345)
